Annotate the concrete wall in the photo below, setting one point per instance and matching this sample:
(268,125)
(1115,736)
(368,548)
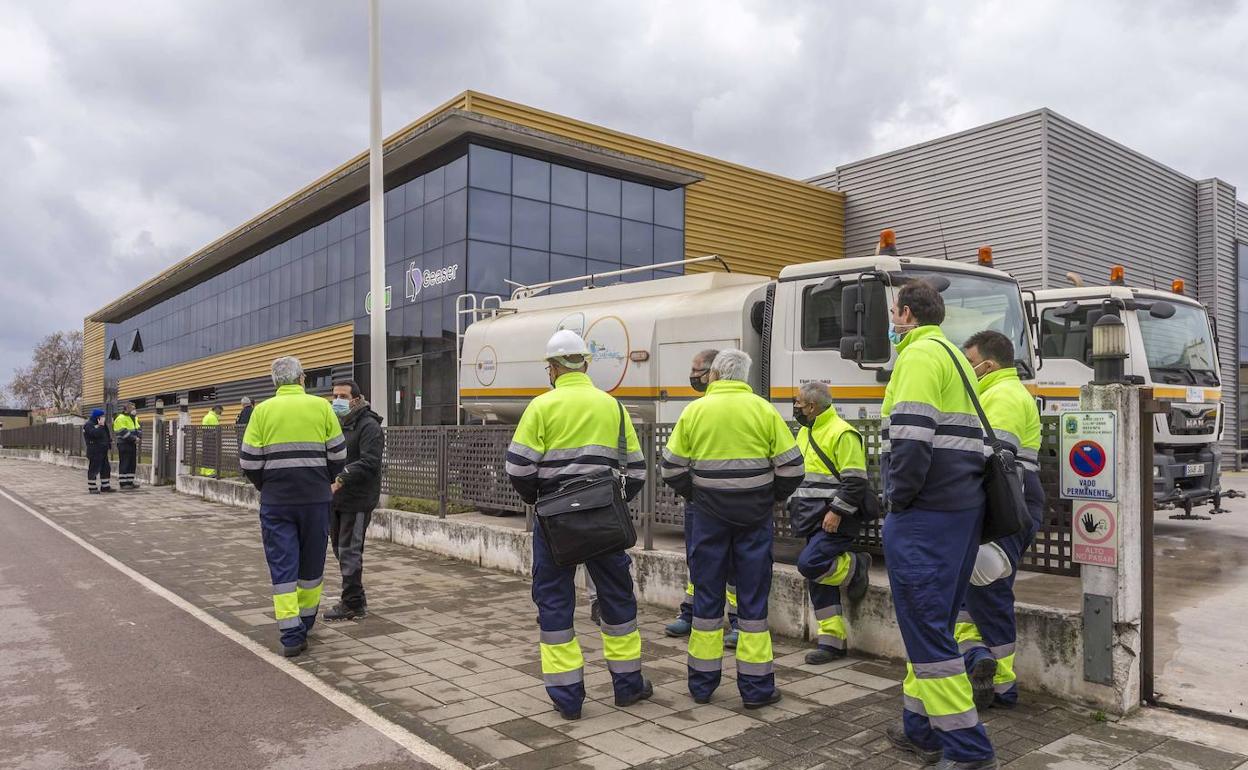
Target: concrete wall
(143,471)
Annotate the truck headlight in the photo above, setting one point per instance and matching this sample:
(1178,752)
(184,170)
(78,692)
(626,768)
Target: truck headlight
(1156,471)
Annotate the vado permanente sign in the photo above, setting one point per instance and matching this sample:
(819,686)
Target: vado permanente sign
(1087,456)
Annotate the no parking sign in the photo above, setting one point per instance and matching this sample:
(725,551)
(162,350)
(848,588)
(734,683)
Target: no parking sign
(1087,456)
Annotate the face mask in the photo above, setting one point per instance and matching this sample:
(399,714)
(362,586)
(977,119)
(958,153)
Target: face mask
(801,418)
(697,384)
(978,374)
(341,406)
(894,335)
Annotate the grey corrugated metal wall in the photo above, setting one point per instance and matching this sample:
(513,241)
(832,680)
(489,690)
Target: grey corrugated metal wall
(983,184)
(1109,205)
(1053,197)
(1241,306)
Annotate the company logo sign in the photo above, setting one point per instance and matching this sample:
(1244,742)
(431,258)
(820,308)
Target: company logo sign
(418,279)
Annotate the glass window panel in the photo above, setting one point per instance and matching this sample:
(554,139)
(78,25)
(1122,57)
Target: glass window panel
(320,269)
(488,266)
(530,178)
(455,256)
(414,195)
(331,304)
(456,216)
(637,202)
(361,217)
(594,266)
(335,263)
(637,243)
(604,195)
(308,279)
(320,308)
(529,267)
(394,239)
(434,213)
(413,233)
(361,253)
(435,184)
(335,229)
(457,174)
(530,224)
(567,187)
(305,314)
(489,216)
(431,261)
(669,208)
(489,169)
(567,231)
(604,238)
(431,318)
(393,202)
(669,244)
(566,267)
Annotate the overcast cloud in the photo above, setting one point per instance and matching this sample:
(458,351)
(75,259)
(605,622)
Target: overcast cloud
(132,133)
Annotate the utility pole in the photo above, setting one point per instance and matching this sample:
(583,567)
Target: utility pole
(376,222)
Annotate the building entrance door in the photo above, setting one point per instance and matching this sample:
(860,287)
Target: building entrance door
(405,391)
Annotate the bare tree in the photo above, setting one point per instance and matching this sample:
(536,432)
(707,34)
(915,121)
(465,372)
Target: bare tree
(54,377)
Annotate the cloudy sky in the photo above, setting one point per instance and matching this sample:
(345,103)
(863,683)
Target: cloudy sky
(132,133)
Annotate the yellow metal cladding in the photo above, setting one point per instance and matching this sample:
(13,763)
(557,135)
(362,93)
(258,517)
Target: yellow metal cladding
(92,363)
(323,347)
(760,222)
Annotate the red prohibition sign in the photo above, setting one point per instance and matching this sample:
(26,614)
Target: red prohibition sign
(1095,536)
(1087,458)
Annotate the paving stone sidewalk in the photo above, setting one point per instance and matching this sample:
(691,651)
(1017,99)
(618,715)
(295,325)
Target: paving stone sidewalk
(449,652)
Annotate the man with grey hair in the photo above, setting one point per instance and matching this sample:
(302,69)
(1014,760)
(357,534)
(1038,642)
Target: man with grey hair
(732,457)
(244,416)
(699,379)
(292,451)
(829,509)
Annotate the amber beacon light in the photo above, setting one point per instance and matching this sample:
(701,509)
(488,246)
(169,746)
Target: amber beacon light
(1176,286)
(985,256)
(1117,275)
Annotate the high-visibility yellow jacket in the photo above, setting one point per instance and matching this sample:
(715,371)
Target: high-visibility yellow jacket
(820,490)
(126,428)
(932,454)
(569,432)
(293,448)
(210,420)
(1015,419)
(732,455)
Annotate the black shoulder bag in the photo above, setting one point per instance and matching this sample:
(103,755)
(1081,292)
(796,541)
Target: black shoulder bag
(870,508)
(588,517)
(1006,510)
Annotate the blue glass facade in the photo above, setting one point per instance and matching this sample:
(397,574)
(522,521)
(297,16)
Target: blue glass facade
(481,217)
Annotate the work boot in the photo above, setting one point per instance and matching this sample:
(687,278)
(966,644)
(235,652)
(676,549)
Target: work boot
(730,639)
(570,716)
(981,764)
(775,698)
(342,612)
(647,689)
(897,736)
(290,652)
(678,627)
(981,677)
(858,582)
(821,655)
(107,489)
(595,612)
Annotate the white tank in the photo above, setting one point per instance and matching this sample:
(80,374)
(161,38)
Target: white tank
(643,337)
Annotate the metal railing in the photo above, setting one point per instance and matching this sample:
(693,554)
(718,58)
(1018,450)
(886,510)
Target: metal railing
(63,439)
(463,467)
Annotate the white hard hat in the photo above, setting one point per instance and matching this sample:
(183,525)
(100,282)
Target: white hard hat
(991,564)
(566,342)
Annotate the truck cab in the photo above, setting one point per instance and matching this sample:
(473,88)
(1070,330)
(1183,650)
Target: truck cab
(1171,348)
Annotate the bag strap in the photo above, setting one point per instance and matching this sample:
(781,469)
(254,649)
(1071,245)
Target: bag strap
(810,432)
(622,446)
(970,391)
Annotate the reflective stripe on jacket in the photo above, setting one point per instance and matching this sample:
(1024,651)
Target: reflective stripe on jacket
(126,428)
(932,452)
(569,432)
(293,448)
(732,453)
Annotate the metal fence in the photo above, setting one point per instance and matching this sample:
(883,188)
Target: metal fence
(463,466)
(63,439)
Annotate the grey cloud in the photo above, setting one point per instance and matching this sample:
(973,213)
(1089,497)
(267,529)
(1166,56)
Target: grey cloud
(136,132)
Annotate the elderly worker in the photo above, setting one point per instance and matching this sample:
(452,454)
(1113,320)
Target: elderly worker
(828,509)
(564,434)
(732,458)
(292,451)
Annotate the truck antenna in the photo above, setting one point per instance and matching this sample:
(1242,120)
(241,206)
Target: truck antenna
(942,237)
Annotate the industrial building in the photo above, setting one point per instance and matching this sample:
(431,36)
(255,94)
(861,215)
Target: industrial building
(483,191)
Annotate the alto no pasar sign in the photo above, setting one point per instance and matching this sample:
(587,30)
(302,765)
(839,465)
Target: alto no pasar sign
(1087,456)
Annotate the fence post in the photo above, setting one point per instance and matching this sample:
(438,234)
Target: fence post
(443,469)
(650,496)
(158,444)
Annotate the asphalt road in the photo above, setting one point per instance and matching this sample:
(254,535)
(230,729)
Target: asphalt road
(96,671)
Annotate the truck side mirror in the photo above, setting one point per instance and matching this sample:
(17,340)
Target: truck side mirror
(864,319)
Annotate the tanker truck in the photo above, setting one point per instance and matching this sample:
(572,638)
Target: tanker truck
(824,321)
(1172,348)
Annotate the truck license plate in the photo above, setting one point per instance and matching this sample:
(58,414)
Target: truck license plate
(1194,469)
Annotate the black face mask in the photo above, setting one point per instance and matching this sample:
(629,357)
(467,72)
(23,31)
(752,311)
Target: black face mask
(697,384)
(800,417)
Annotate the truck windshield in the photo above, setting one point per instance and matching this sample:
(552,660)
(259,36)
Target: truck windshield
(974,303)
(1179,348)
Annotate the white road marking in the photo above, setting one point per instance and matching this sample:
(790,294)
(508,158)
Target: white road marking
(413,744)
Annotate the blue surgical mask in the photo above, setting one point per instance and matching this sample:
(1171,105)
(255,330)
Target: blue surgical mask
(895,336)
(341,406)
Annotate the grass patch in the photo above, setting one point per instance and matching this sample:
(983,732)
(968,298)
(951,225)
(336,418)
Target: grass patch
(421,505)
